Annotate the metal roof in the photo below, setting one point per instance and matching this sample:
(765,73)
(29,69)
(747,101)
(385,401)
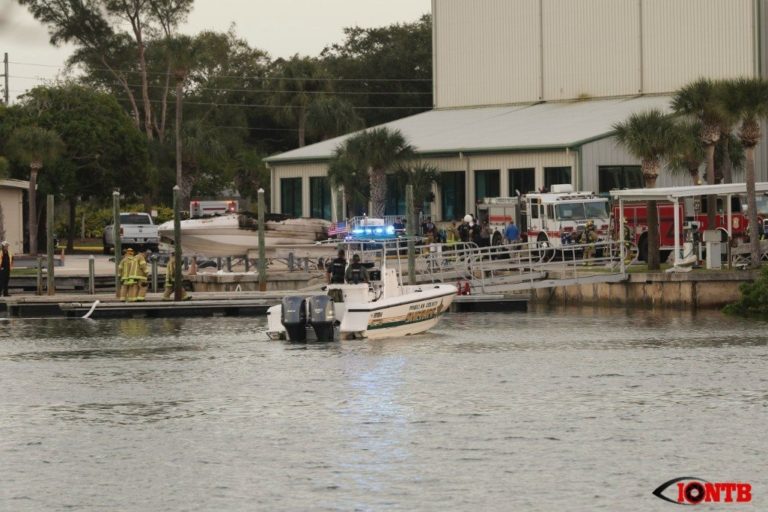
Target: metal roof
(541,126)
(12,183)
(672,193)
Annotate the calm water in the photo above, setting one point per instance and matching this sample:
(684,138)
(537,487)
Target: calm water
(547,410)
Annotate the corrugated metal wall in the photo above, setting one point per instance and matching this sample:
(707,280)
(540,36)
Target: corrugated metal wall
(591,48)
(687,39)
(486,52)
(516,51)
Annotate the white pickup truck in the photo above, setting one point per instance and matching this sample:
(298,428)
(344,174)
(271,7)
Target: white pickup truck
(136,231)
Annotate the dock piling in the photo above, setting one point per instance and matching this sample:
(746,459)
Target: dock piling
(91,274)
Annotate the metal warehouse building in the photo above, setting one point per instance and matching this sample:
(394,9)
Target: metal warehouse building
(526,92)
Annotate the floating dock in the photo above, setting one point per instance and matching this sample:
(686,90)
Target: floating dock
(202,305)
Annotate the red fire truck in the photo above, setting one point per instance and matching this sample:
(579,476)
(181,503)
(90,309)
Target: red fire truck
(551,218)
(693,218)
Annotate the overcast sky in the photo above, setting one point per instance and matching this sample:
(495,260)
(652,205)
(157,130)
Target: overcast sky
(281,27)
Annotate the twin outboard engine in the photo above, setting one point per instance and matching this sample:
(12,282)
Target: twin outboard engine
(322,317)
(294,317)
(298,313)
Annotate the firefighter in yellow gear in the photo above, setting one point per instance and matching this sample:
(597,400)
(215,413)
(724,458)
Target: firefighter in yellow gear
(142,276)
(127,272)
(589,237)
(627,240)
(170,273)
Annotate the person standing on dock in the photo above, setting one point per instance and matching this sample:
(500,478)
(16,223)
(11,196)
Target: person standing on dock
(142,273)
(511,233)
(170,282)
(335,272)
(127,272)
(6,264)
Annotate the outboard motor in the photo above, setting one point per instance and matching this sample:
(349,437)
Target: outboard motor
(294,317)
(322,317)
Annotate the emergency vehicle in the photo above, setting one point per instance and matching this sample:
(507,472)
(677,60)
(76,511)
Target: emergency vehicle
(693,216)
(198,208)
(553,219)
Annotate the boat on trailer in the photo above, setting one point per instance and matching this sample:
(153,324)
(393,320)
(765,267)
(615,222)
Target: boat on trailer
(236,234)
(382,308)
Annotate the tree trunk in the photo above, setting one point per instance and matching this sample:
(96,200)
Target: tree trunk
(754,236)
(654,261)
(727,165)
(179,91)
(32,214)
(378,179)
(72,219)
(711,200)
(144,85)
(302,127)
(650,175)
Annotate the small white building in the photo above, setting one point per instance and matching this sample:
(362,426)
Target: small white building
(12,204)
(526,93)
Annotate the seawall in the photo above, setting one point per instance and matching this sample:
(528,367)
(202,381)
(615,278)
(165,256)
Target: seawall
(696,289)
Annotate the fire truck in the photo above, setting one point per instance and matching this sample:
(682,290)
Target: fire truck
(693,220)
(553,219)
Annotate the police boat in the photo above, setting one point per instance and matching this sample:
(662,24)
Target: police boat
(383,307)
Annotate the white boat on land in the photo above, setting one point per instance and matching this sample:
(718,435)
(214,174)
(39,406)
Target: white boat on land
(237,234)
(383,308)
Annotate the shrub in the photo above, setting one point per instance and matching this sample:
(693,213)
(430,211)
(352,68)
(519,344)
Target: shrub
(754,298)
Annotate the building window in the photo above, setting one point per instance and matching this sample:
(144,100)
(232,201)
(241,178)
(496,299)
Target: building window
(618,177)
(453,191)
(523,180)
(319,198)
(395,201)
(556,176)
(486,185)
(290,196)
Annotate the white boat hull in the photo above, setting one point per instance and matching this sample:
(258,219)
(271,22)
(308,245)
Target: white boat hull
(411,313)
(222,236)
(417,310)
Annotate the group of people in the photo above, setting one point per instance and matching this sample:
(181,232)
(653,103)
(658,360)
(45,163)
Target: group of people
(134,274)
(338,272)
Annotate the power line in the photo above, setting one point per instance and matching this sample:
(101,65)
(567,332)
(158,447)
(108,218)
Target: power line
(247,77)
(331,93)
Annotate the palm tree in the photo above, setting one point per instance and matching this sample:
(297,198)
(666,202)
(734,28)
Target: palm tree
(300,81)
(750,100)
(649,136)
(331,116)
(34,146)
(343,174)
(702,100)
(377,150)
(688,155)
(422,176)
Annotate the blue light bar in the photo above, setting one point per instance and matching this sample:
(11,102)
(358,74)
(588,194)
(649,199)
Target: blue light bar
(373,232)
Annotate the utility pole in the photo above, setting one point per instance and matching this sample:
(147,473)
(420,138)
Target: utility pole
(5,77)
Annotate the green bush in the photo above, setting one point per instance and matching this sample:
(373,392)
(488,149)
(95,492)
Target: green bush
(97,218)
(754,298)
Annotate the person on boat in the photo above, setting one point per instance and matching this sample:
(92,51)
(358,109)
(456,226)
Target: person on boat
(356,272)
(127,270)
(465,229)
(335,272)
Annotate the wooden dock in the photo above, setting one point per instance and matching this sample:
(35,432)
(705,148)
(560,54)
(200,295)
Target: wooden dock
(201,305)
